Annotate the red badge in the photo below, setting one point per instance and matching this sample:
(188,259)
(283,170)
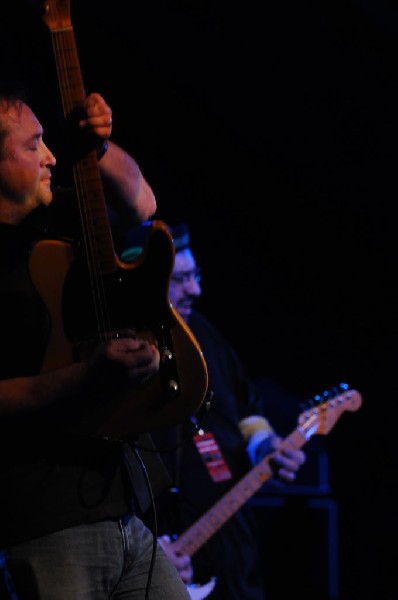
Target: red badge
(212,457)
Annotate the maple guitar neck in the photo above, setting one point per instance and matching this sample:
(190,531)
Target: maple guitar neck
(319,419)
(206,526)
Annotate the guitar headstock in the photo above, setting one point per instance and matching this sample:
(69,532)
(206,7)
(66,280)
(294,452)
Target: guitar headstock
(56,14)
(327,409)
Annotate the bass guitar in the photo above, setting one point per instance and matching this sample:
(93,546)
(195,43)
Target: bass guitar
(318,419)
(93,295)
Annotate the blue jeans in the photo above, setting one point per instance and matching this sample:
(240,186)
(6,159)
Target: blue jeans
(108,560)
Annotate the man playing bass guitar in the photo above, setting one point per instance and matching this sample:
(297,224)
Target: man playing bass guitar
(68,528)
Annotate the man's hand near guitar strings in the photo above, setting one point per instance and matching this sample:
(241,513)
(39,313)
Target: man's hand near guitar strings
(262,441)
(123,362)
(98,117)
(285,462)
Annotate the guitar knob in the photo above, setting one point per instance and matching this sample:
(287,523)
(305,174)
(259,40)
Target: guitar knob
(173,387)
(167,355)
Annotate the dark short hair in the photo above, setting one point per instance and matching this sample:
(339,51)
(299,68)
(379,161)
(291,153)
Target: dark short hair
(12,93)
(136,238)
(180,235)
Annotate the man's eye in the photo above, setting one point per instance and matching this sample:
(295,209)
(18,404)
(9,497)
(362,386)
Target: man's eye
(35,143)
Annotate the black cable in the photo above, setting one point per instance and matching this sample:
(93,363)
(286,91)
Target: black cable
(155,525)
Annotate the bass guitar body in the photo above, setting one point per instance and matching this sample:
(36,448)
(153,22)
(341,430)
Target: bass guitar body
(136,299)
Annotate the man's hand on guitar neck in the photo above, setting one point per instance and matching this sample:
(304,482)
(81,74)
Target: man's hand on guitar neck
(127,189)
(284,461)
(262,441)
(98,117)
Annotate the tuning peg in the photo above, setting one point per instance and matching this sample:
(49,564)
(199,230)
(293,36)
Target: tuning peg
(324,397)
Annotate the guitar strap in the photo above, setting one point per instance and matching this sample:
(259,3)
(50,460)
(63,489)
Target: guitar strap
(148,472)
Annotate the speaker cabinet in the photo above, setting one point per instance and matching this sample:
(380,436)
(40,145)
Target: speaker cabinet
(299,546)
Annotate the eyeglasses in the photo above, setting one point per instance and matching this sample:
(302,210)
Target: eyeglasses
(184,277)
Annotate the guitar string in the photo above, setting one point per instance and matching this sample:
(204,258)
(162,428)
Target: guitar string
(90,237)
(86,215)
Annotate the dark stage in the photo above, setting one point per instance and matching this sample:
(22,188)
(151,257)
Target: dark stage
(271,128)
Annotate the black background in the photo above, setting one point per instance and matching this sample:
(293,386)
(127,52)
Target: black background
(271,128)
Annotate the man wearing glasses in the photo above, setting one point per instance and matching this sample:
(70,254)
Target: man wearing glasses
(239,436)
